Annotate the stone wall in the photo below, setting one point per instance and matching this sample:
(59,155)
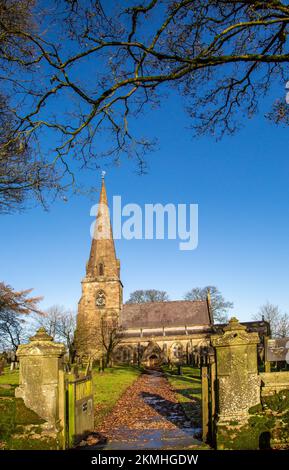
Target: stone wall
(273,382)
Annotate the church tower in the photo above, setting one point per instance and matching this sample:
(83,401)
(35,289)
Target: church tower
(101,299)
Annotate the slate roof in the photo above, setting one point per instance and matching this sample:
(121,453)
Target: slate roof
(165,314)
(261,327)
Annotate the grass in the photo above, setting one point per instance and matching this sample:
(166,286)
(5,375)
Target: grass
(9,377)
(188,389)
(108,388)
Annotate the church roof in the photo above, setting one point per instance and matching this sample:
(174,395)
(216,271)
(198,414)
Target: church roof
(165,314)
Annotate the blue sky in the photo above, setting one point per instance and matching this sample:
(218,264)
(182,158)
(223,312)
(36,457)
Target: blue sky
(241,185)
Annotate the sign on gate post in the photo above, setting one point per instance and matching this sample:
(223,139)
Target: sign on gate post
(277,350)
(79,408)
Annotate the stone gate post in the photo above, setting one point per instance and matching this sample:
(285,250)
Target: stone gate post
(41,363)
(238,384)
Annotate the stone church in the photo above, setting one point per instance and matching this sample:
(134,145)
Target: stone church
(151,333)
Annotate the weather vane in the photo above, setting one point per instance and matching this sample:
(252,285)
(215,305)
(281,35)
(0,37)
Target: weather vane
(103,174)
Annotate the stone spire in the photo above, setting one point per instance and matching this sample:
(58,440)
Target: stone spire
(102,260)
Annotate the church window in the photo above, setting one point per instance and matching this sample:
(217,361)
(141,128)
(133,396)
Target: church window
(123,354)
(177,351)
(118,355)
(101,269)
(126,354)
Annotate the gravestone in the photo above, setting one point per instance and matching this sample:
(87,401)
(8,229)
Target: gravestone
(41,363)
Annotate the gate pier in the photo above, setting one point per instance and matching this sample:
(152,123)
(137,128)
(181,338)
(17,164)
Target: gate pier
(41,361)
(63,401)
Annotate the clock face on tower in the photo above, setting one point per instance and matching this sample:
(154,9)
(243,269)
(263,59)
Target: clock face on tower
(100,299)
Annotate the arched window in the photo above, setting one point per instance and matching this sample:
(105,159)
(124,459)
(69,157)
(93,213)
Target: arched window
(126,354)
(123,354)
(177,351)
(101,269)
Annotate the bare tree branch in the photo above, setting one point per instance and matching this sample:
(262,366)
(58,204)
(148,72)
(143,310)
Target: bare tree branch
(90,70)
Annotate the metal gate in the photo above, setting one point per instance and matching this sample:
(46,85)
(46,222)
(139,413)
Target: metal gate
(208,373)
(79,408)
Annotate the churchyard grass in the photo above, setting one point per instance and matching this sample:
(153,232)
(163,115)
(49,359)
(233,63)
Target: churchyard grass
(9,377)
(188,389)
(108,387)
